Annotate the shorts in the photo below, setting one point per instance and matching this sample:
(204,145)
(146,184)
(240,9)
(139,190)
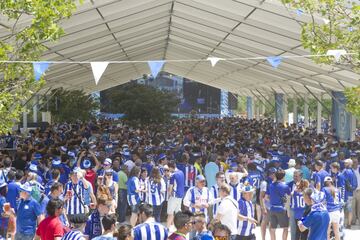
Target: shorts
(279,218)
(174,205)
(250,237)
(335,216)
(135,208)
(257,196)
(348,204)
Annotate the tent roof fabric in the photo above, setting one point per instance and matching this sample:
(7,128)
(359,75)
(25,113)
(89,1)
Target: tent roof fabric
(116,30)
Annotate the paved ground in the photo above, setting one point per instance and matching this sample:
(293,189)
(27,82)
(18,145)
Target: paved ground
(350,234)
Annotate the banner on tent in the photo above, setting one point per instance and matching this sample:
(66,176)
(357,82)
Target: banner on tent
(341,120)
(279,107)
(249,107)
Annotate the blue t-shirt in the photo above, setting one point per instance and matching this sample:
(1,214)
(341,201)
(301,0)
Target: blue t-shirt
(332,203)
(277,192)
(320,176)
(317,222)
(132,186)
(13,193)
(177,179)
(27,213)
(254,178)
(297,204)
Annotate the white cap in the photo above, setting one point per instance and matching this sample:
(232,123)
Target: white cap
(292,163)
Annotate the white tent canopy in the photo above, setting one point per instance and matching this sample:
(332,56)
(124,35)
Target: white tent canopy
(116,30)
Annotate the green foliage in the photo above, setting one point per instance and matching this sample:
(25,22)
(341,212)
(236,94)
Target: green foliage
(312,107)
(70,106)
(353,96)
(30,23)
(341,32)
(142,103)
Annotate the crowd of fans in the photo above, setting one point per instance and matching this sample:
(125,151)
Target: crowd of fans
(186,179)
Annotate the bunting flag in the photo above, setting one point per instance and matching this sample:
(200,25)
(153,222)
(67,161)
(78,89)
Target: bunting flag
(39,69)
(155,67)
(336,53)
(351,29)
(98,69)
(299,12)
(274,61)
(213,60)
(326,21)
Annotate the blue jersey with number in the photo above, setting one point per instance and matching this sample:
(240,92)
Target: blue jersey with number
(333,203)
(297,204)
(255,179)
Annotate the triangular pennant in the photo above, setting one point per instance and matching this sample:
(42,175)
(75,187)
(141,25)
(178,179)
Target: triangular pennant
(155,67)
(336,53)
(213,60)
(39,69)
(299,12)
(275,61)
(351,29)
(98,69)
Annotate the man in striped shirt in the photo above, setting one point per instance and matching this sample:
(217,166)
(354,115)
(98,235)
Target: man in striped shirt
(149,229)
(75,193)
(197,198)
(214,190)
(78,224)
(247,215)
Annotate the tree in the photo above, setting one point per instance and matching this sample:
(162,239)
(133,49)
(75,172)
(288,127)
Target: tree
(24,42)
(70,106)
(340,29)
(142,103)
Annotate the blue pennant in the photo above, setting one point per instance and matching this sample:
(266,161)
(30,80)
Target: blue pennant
(274,61)
(299,12)
(39,69)
(155,67)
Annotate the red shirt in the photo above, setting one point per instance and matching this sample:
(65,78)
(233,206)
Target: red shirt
(49,228)
(91,176)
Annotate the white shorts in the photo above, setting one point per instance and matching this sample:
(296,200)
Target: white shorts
(174,205)
(335,217)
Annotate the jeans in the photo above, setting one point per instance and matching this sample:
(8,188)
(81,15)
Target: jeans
(122,205)
(157,212)
(20,236)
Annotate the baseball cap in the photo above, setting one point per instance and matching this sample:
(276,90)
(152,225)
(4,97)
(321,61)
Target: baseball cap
(272,170)
(327,179)
(200,178)
(33,168)
(292,162)
(107,161)
(56,162)
(75,170)
(247,188)
(350,161)
(26,187)
(161,156)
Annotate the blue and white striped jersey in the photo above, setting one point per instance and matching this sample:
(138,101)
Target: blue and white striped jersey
(246,208)
(214,193)
(73,235)
(197,196)
(156,192)
(133,185)
(235,191)
(75,204)
(150,230)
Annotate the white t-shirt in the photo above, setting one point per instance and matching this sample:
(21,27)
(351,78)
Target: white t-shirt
(228,209)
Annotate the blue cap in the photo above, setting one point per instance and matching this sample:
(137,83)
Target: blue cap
(26,187)
(233,165)
(63,149)
(247,188)
(37,156)
(272,170)
(33,168)
(56,162)
(71,154)
(161,156)
(334,154)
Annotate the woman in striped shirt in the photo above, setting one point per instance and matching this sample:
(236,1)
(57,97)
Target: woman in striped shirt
(156,192)
(133,190)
